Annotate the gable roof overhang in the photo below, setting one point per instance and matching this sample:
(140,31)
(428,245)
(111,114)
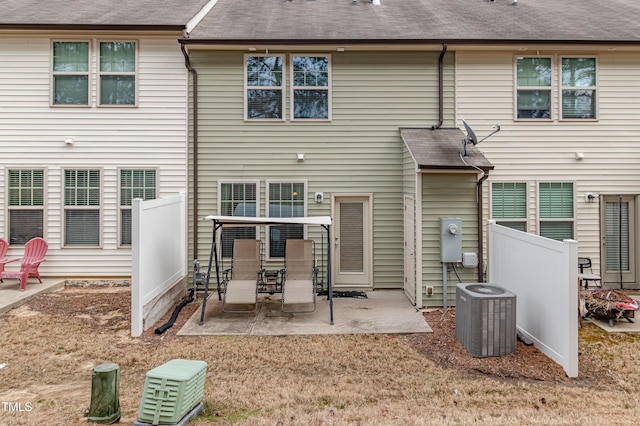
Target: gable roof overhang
(441,150)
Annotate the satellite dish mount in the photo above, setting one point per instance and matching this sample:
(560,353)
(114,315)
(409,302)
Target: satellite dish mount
(472,138)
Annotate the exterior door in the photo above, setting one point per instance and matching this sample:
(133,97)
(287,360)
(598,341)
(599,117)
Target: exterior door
(352,242)
(617,213)
(409,249)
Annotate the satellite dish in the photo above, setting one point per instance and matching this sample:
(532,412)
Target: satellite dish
(471,135)
(472,138)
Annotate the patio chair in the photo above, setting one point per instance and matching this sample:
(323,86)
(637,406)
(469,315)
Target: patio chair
(299,276)
(585,277)
(4,246)
(34,251)
(241,281)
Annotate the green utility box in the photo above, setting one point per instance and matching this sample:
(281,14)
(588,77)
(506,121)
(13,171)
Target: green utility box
(171,390)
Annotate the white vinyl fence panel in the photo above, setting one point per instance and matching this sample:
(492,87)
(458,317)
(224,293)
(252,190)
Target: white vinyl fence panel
(158,253)
(543,274)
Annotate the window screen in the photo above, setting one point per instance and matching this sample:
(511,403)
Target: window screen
(556,210)
(26,205)
(237,199)
(285,200)
(82,207)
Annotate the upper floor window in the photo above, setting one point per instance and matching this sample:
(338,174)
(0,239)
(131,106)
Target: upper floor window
(310,87)
(237,199)
(133,184)
(71,73)
(578,88)
(26,205)
(509,204)
(555,207)
(117,73)
(533,91)
(264,82)
(73,77)
(82,207)
(286,199)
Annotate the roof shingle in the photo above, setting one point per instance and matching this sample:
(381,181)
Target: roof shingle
(300,21)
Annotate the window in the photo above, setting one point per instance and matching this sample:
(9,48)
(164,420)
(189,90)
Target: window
(237,199)
(264,80)
(82,207)
(117,73)
(26,205)
(578,88)
(133,184)
(310,87)
(556,210)
(509,204)
(70,73)
(286,199)
(533,92)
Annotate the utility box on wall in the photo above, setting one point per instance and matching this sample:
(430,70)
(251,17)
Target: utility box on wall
(451,239)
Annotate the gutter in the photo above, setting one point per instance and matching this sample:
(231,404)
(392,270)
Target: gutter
(440,88)
(480,239)
(412,41)
(194,74)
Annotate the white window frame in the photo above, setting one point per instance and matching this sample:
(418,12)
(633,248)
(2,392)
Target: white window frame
(507,220)
(68,208)
(43,208)
(101,73)
(293,88)
(561,88)
(122,207)
(551,89)
(256,182)
(270,182)
(53,74)
(282,87)
(572,219)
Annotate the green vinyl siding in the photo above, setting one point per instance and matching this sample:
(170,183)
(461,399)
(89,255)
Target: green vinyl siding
(359,151)
(447,195)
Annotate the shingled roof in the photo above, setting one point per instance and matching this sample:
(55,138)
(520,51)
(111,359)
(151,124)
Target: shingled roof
(98,14)
(440,149)
(408,21)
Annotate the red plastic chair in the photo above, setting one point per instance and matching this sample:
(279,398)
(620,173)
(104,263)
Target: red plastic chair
(4,246)
(34,251)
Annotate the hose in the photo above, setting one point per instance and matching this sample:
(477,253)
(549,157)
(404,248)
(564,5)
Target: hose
(176,312)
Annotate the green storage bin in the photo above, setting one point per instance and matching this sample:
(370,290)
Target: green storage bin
(171,390)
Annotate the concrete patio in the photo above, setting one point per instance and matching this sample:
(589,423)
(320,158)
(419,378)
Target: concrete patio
(11,296)
(382,312)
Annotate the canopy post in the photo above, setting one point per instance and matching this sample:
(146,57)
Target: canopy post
(212,255)
(329,285)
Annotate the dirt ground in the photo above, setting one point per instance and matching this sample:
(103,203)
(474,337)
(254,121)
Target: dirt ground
(49,347)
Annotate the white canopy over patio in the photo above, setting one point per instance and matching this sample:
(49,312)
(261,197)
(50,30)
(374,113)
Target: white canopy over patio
(240,221)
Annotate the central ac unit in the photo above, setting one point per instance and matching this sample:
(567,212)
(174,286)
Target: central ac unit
(485,319)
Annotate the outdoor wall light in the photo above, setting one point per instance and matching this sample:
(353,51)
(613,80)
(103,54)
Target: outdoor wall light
(69,142)
(579,155)
(300,157)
